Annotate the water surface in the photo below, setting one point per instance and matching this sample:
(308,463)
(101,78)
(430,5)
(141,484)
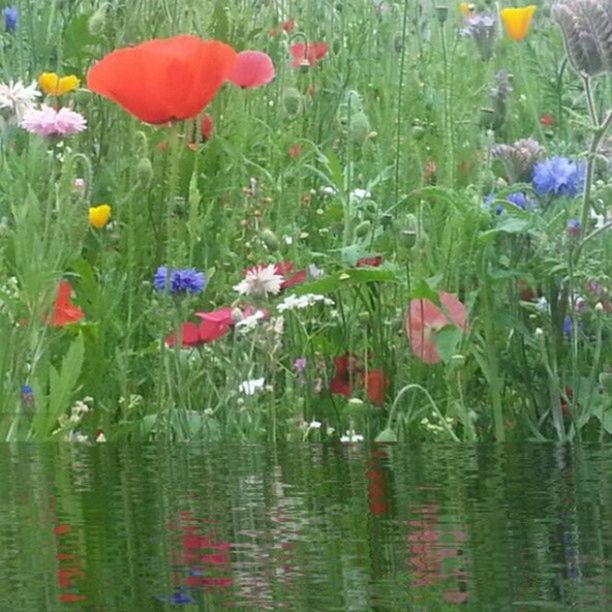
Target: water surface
(201,527)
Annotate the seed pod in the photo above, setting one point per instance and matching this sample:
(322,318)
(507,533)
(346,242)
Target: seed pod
(363,229)
(269,238)
(359,128)
(292,101)
(144,172)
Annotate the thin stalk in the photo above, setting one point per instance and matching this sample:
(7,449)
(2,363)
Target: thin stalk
(400,91)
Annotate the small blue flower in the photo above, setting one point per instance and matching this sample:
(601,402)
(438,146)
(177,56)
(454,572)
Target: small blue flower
(572,229)
(518,198)
(179,281)
(559,176)
(27,395)
(11,18)
(177,598)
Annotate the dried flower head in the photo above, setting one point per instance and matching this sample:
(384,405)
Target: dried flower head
(519,158)
(587,33)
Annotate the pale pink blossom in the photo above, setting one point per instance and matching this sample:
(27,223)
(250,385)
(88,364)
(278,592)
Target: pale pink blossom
(46,121)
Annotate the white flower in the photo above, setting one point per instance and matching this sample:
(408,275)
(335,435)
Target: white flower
(295,302)
(314,424)
(76,436)
(101,437)
(351,436)
(250,322)
(314,271)
(250,387)
(542,305)
(259,281)
(359,194)
(328,190)
(17,98)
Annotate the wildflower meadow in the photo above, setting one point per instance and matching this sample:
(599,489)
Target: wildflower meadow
(303,221)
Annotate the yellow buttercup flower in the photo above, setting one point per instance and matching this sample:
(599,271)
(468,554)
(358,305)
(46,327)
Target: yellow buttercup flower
(54,85)
(467,9)
(517,21)
(99,215)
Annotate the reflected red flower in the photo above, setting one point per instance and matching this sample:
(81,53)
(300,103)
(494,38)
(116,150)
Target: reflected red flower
(64,311)
(252,69)
(307,54)
(165,79)
(71,597)
(425,319)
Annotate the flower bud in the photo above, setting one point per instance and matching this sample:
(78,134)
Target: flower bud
(269,238)
(292,101)
(144,172)
(363,229)
(359,128)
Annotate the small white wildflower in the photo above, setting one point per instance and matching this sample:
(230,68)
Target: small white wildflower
(250,387)
(209,411)
(355,401)
(330,431)
(250,322)
(16,98)
(357,195)
(288,240)
(259,281)
(350,437)
(101,437)
(76,436)
(539,332)
(328,190)
(599,307)
(542,305)
(314,424)
(294,302)
(314,271)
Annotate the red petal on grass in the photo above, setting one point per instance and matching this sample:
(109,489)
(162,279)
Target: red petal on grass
(190,335)
(373,262)
(164,79)
(252,69)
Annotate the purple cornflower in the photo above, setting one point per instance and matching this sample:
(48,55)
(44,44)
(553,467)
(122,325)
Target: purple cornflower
(300,364)
(558,176)
(46,121)
(11,18)
(179,281)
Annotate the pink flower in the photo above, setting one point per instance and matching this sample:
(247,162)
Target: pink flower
(46,121)
(425,319)
(307,55)
(252,69)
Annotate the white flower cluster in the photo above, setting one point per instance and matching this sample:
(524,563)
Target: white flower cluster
(351,437)
(299,302)
(16,99)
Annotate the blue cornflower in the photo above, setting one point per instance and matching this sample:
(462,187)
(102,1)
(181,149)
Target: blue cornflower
(558,176)
(177,598)
(11,17)
(518,198)
(179,281)
(27,395)
(572,229)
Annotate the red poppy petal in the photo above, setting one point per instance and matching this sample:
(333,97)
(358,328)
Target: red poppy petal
(296,279)
(65,315)
(164,79)
(283,267)
(221,315)
(64,292)
(424,313)
(340,386)
(252,69)
(454,308)
(190,335)
(375,383)
(320,50)
(210,330)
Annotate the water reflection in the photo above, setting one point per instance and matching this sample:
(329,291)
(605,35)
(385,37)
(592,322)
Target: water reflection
(320,527)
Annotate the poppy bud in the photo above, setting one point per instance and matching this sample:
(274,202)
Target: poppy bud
(442,13)
(144,172)
(268,237)
(363,229)
(292,101)
(97,21)
(409,237)
(359,128)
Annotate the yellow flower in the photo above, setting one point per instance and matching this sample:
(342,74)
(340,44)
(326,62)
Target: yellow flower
(54,85)
(99,215)
(467,8)
(517,21)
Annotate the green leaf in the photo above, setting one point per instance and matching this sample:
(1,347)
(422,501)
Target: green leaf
(447,341)
(386,435)
(422,291)
(348,278)
(77,36)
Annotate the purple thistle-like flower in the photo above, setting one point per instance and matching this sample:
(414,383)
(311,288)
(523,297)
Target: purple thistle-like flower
(559,176)
(179,281)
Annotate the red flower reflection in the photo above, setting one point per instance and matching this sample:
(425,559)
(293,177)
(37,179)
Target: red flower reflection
(377,477)
(252,69)
(428,547)
(350,373)
(307,54)
(64,311)
(165,79)
(68,570)
(425,319)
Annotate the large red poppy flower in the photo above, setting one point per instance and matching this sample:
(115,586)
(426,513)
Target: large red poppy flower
(425,319)
(307,54)
(349,372)
(64,311)
(252,69)
(164,79)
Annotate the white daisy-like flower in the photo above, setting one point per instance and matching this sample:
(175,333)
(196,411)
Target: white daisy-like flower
(350,437)
(250,387)
(328,190)
(250,322)
(16,98)
(357,195)
(295,302)
(259,281)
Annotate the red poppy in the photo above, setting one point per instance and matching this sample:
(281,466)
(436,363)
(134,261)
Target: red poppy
(294,151)
(372,262)
(547,120)
(64,311)
(207,126)
(214,325)
(307,54)
(287,26)
(252,69)
(349,372)
(164,79)
(425,319)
